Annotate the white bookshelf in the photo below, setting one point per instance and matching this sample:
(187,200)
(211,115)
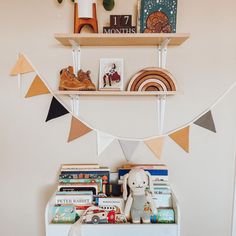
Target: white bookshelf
(115,229)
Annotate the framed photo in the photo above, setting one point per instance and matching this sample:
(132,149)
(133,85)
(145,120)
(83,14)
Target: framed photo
(111,74)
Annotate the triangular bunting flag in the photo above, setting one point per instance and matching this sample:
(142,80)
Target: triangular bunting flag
(128,148)
(37,88)
(206,121)
(181,137)
(156,146)
(22,66)
(56,110)
(77,129)
(103,141)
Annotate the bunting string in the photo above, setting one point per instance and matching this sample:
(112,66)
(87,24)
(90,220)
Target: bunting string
(80,127)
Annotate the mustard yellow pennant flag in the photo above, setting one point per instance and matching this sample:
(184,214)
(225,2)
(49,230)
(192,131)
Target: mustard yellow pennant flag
(181,137)
(37,88)
(22,66)
(77,129)
(156,146)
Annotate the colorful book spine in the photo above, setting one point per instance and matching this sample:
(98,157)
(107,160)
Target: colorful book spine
(164,172)
(104,175)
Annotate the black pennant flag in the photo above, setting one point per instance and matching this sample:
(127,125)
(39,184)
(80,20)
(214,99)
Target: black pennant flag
(206,121)
(56,110)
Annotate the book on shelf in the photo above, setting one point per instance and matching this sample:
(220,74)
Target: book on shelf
(81,166)
(87,181)
(79,187)
(73,199)
(104,175)
(153,172)
(145,166)
(117,204)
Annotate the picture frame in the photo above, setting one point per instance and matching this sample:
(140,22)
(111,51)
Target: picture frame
(111,74)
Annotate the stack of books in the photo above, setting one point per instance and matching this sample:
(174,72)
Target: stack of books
(158,172)
(77,187)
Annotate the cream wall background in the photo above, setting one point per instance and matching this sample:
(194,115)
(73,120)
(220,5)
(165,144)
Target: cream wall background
(32,150)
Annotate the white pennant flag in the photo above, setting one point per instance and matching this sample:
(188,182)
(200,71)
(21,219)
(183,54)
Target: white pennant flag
(128,148)
(103,141)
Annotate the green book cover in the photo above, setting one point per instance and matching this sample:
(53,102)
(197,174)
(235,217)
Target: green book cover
(158,16)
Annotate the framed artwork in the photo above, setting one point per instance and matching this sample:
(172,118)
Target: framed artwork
(111,74)
(158,16)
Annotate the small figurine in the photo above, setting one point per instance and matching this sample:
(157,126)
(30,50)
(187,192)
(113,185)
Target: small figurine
(140,184)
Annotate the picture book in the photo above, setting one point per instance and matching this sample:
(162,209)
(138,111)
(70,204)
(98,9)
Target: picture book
(63,214)
(158,16)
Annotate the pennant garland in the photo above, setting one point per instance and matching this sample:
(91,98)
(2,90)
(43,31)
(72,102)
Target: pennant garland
(103,141)
(56,110)
(206,121)
(156,146)
(181,137)
(77,129)
(128,148)
(22,66)
(37,88)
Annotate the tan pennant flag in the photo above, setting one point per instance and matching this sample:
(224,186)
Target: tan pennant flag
(37,88)
(156,146)
(181,137)
(22,66)
(77,129)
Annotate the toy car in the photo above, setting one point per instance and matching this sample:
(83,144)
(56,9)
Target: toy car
(99,216)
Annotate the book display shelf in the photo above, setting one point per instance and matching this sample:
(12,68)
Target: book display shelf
(114,229)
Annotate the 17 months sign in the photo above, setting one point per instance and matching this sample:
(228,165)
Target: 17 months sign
(120,24)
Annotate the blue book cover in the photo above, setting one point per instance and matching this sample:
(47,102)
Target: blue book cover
(158,16)
(122,172)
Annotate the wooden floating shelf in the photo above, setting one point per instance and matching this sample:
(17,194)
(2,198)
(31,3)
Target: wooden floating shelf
(115,93)
(138,39)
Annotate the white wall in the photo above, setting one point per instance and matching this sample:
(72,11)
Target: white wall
(32,150)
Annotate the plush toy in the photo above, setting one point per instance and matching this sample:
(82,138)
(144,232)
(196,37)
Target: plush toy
(140,199)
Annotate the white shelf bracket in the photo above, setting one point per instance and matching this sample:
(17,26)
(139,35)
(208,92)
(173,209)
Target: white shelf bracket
(76,56)
(74,104)
(162,53)
(161,108)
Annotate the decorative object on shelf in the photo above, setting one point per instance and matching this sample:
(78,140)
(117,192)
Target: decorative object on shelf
(81,82)
(139,198)
(85,13)
(120,24)
(79,128)
(108,4)
(111,74)
(158,16)
(152,79)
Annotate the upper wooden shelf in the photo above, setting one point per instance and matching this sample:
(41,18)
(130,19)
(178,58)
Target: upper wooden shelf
(115,93)
(121,39)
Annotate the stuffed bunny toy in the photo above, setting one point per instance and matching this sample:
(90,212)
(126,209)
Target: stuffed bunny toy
(140,184)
